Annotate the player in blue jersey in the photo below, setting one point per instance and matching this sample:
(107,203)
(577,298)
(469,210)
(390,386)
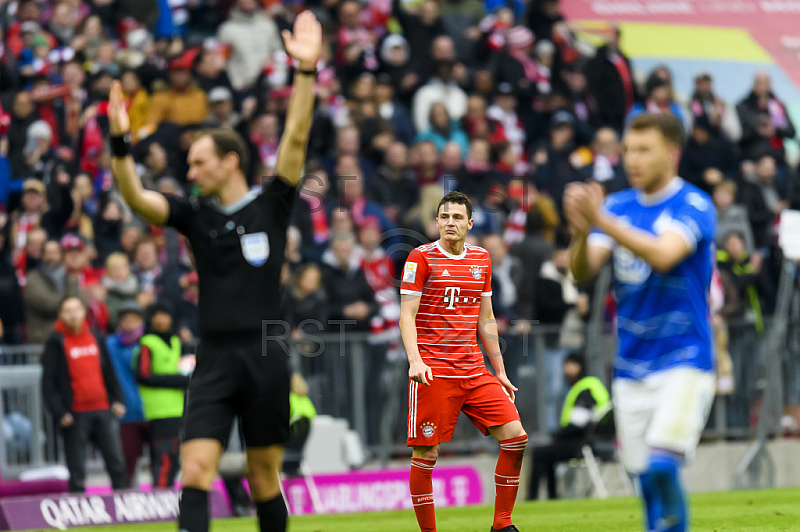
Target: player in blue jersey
(660,236)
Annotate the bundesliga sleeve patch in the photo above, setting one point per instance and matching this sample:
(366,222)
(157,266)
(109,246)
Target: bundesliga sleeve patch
(410,273)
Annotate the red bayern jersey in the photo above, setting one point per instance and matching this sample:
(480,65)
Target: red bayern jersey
(450,288)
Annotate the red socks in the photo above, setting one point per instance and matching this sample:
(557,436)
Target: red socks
(421,487)
(506,479)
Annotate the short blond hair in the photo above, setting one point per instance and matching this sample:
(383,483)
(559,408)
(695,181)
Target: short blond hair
(117,258)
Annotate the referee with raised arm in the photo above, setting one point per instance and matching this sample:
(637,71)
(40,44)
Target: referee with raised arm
(238,238)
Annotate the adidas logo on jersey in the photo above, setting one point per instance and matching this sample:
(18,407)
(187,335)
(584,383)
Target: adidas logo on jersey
(445,274)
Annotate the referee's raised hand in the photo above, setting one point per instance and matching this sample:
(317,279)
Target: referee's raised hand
(119,122)
(304,42)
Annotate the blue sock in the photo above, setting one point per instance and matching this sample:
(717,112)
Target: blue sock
(652,502)
(665,470)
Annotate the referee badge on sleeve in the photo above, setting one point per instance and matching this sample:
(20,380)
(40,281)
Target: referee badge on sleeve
(255,248)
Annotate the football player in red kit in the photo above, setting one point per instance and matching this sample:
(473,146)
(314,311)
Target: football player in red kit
(446,297)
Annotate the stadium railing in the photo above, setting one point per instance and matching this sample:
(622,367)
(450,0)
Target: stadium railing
(362,377)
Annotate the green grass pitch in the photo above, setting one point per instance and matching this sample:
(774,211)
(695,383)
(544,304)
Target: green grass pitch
(775,510)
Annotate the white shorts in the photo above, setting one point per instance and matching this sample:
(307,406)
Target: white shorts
(666,410)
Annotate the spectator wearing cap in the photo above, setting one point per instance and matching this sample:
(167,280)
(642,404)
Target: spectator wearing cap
(161,387)
(658,100)
(395,62)
(254,40)
(76,261)
(558,162)
(443,130)
(83,395)
(707,159)
(45,288)
(442,86)
(721,117)
(183,103)
(220,100)
(35,211)
(504,110)
(28,215)
(606,166)
(121,346)
(609,77)
(765,122)
(34,58)
(391,110)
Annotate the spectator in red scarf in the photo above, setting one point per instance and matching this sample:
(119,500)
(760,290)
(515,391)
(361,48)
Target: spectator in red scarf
(28,15)
(77,262)
(355,48)
(610,79)
(476,123)
(82,393)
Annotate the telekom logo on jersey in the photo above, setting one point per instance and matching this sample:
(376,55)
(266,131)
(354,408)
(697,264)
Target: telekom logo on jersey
(451,297)
(84,351)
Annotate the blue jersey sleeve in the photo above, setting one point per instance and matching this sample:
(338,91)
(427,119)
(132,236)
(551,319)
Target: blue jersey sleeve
(695,219)
(597,237)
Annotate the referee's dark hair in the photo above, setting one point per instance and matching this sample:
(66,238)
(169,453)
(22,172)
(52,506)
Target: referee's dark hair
(228,141)
(669,126)
(458,198)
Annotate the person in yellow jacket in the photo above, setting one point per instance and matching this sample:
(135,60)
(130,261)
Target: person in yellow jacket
(585,396)
(138,103)
(161,387)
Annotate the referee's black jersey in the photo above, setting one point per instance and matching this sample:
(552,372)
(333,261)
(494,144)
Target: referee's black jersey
(239,251)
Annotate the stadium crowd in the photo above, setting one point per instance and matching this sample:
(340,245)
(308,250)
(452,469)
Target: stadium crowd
(495,99)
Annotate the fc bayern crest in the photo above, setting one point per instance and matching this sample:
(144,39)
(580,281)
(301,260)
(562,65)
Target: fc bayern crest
(428,430)
(476,272)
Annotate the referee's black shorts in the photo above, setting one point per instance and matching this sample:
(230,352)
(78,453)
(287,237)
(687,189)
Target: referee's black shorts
(235,378)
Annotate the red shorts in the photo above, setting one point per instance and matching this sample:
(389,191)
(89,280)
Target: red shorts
(433,410)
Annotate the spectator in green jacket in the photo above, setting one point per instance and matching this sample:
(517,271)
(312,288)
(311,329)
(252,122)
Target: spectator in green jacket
(161,387)
(585,396)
